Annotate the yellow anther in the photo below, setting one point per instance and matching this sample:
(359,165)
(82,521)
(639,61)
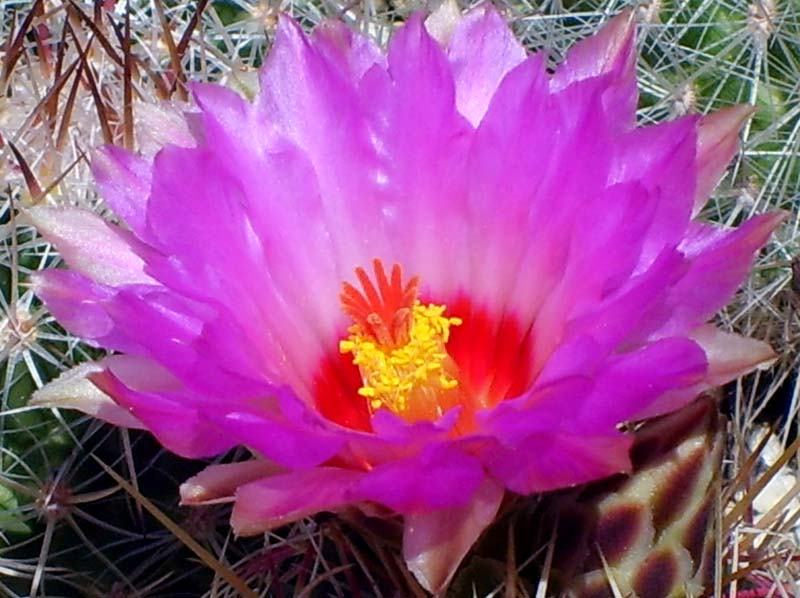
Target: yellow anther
(395,377)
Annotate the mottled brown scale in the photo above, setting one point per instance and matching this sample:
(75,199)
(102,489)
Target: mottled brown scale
(674,494)
(657,576)
(662,434)
(618,529)
(694,538)
(676,459)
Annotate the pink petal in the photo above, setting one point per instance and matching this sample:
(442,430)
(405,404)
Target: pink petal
(123,180)
(77,303)
(513,158)
(597,389)
(603,252)
(222,110)
(435,542)
(451,478)
(157,399)
(481,50)
(90,245)
(295,445)
(729,356)
(138,312)
(74,390)
(187,338)
(124,319)
(284,498)
(630,383)
(422,149)
(219,482)
(283,218)
(612,52)
(563,459)
(270,324)
(314,104)
(541,409)
(719,262)
(661,158)
(627,313)
(342,47)
(602,52)
(717,144)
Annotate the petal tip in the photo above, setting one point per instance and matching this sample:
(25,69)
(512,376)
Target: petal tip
(717,143)
(611,49)
(441,23)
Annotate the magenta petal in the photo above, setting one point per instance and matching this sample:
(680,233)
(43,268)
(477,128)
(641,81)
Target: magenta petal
(345,49)
(314,105)
(612,53)
(154,398)
(123,180)
(199,264)
(562,460)
(281,499)
(512,158)
(296,445)
(274,225)
(540,410)
(598,392)
(187,181)
(435,542)
(389,425)
(635,308)
(422,150)
(628,384)
(481,50)
(606,50)
(125,319)
(77,302)
(136,312)
(603,253)
(662,159)
(719,261)
(622,384)
(223,110)
(451,477)
(729,356)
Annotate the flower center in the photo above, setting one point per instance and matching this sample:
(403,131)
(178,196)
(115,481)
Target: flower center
(398,345)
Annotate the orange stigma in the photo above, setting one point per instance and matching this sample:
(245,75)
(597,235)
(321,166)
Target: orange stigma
(384,312)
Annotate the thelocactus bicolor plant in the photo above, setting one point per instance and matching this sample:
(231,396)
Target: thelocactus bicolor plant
(417,278)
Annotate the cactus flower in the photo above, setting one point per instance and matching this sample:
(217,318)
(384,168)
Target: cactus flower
(415,278)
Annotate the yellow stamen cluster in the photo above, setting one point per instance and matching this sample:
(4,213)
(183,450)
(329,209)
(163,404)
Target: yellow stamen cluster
(394,375)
